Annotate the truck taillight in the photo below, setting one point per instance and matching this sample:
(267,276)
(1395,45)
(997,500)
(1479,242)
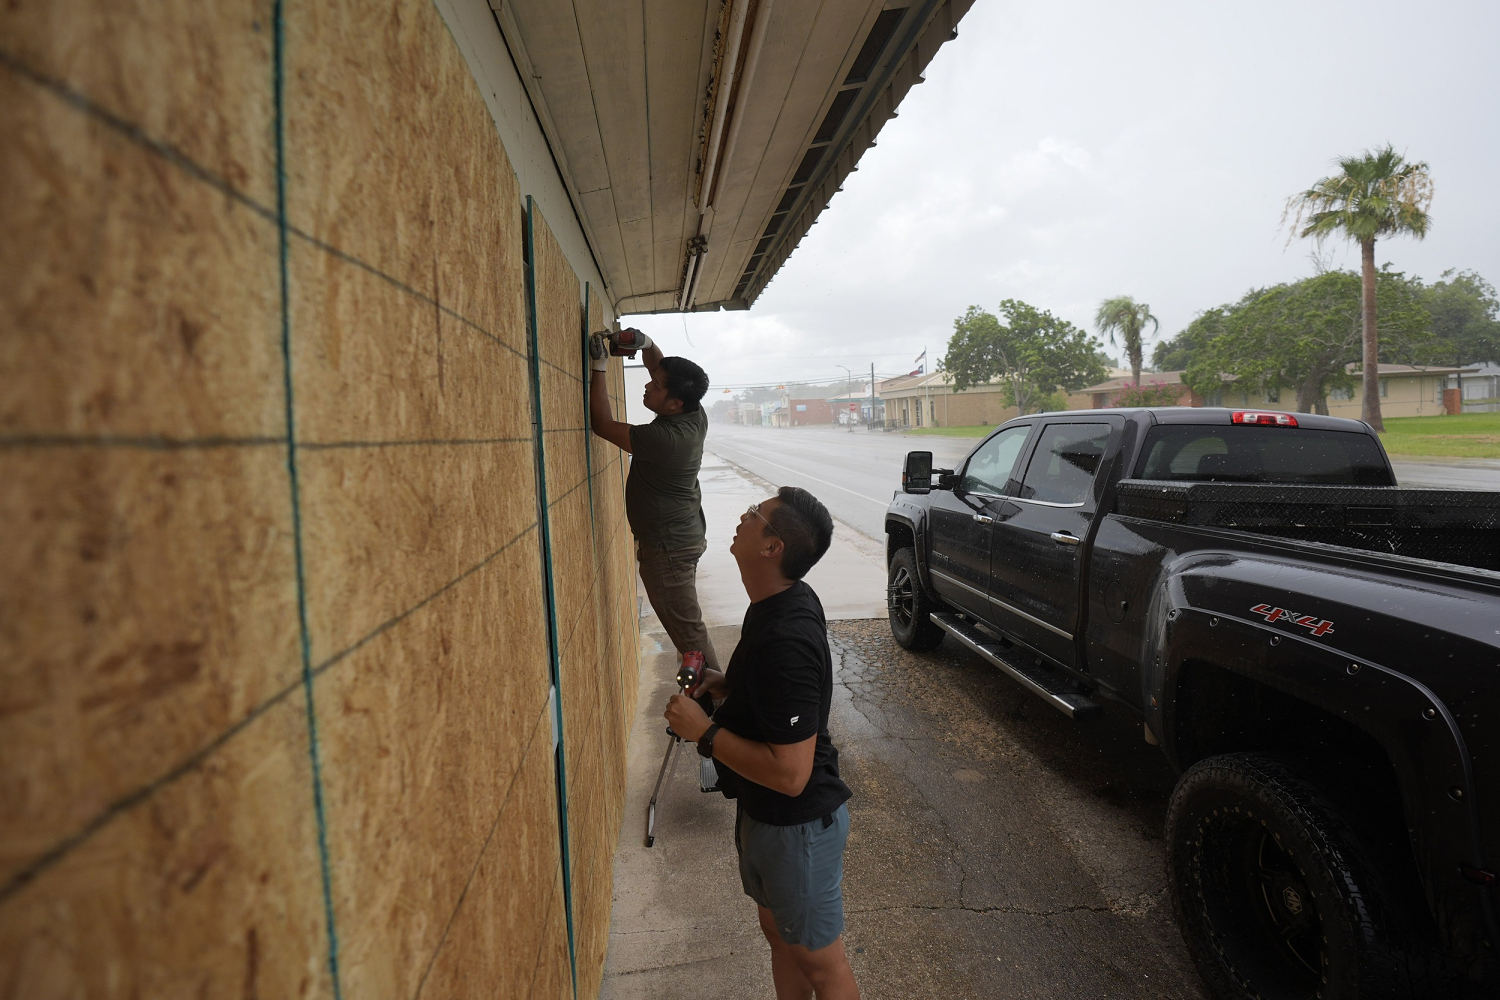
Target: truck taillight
(1264,418)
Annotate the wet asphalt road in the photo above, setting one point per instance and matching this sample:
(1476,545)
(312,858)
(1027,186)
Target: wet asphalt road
(997,848)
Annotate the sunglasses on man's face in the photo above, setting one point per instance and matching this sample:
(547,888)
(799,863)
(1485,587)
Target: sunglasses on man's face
(755,509)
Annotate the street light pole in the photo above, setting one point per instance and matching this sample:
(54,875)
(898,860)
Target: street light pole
(848,390)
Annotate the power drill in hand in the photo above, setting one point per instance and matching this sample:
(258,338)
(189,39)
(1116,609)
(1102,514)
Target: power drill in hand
(687,675)
(625,343)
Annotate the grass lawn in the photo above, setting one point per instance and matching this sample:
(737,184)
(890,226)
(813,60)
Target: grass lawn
(1465,435)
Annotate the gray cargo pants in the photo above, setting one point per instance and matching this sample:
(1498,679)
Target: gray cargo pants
(671,579)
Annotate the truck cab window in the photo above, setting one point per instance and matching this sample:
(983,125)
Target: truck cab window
(1193,453)
(991,466)
(1063,466)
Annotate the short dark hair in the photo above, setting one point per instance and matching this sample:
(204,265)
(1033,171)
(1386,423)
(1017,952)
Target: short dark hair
(685,381)
(805,528)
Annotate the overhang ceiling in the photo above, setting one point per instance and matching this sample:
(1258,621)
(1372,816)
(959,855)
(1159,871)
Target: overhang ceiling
(700,139)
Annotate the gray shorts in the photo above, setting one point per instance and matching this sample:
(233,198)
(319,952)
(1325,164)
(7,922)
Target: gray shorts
(797,872)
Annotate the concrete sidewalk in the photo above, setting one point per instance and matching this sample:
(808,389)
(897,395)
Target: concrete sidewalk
(681,926)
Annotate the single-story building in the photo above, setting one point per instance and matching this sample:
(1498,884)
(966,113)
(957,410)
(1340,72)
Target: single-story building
(1108,392)
(931,401)
(1405,391)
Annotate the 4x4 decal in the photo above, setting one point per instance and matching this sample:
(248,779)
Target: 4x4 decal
(1317,626)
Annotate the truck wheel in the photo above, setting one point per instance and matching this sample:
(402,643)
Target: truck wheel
(909,604)
(1272,890)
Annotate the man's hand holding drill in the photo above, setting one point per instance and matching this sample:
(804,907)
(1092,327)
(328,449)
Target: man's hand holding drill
(685,707)
(604,345)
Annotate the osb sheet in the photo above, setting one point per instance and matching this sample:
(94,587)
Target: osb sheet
(385,528)
(368,87)
(591,938)
(509,934)
(553,976)
(148,604)
(422,733)
(373,362)
(211,887)
(192,76)
(140,300)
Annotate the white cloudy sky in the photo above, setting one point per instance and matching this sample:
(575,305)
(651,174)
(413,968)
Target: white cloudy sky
(1065,151)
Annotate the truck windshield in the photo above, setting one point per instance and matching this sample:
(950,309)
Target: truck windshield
(1252,454)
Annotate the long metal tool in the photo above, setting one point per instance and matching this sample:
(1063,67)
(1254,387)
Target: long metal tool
(687,676)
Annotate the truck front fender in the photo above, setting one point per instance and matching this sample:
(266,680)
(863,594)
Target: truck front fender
(1305,632)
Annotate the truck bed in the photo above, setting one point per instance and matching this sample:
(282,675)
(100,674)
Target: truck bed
(1453,526)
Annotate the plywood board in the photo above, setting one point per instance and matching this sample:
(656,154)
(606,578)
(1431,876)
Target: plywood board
(211,887)
(387,527)
(423,730)
(210,100)
(374,362)
(508,936)
(362,101)
(139,300)
(148,605)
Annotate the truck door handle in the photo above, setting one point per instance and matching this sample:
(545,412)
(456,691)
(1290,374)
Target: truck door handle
(984,519)
(1064,538)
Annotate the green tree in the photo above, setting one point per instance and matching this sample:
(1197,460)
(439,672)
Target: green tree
(1465,319)
(1303,335)
(1032,351)
(1125,316)
(1377,194)
(1177,353)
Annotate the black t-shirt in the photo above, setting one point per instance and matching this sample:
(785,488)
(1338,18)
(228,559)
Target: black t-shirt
(780,687)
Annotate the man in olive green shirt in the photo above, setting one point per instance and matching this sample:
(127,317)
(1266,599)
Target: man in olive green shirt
(662,500)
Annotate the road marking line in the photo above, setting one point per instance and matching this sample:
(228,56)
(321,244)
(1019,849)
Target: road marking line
(797,472)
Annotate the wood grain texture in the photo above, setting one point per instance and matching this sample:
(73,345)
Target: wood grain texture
(504,942)
(148,605)
(138,299)
(374,362)
(193,77)
(386,528)
(424,730)
(212,888)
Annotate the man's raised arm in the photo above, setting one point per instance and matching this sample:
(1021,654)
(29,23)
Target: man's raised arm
(603,422)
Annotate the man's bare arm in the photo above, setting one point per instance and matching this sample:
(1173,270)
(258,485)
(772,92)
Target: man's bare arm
(651,357)
(603,422)
(781,767)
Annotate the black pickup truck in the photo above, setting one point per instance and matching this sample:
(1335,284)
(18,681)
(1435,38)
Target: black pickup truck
(1316,650)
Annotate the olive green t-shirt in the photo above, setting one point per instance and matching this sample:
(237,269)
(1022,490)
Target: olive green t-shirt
(662,500)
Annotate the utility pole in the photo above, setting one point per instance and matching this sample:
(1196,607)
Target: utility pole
(872,395)
(848,394)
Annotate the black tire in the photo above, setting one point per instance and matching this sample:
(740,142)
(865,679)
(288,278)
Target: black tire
(909,604)
(1273,891)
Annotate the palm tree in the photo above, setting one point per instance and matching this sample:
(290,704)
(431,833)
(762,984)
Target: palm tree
(1128,318)
(1377,194)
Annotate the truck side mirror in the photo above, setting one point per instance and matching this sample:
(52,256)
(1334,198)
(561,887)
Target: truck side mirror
(916,472)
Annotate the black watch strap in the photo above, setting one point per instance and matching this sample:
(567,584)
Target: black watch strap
(706,741)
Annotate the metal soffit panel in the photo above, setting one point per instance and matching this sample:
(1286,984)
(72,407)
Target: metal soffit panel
(699,141)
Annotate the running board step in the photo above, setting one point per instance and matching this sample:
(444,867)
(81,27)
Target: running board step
(1041,681)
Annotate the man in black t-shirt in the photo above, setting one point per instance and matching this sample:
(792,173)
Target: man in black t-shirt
(663,502)
(770,744)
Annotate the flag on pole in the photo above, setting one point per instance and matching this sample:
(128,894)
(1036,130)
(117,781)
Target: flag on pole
(920,363)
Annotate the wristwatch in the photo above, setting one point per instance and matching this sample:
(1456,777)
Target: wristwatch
(706,741)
